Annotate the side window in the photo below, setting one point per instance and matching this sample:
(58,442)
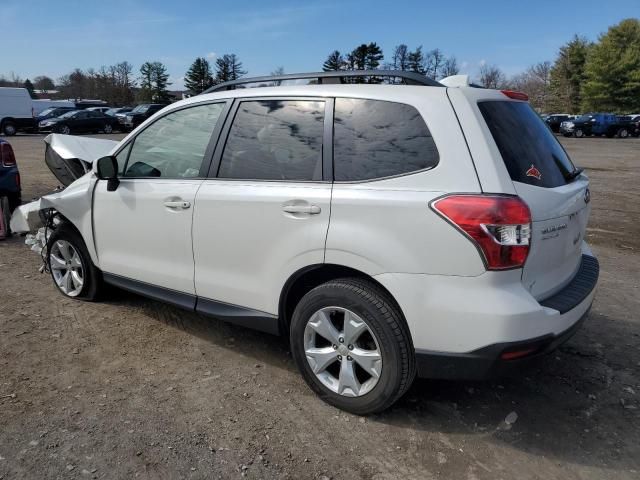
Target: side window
(122,158)
(376,139)
(174,145)
(275,140)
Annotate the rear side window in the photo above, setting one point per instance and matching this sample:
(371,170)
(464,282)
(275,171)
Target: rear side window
(275,140)
(377,139)
(529,150)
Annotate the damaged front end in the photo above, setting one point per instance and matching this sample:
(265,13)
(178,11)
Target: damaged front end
(70,157)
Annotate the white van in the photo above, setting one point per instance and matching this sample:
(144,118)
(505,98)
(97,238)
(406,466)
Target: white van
(16,110)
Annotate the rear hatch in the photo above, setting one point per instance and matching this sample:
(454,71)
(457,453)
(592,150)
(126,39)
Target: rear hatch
(557,193)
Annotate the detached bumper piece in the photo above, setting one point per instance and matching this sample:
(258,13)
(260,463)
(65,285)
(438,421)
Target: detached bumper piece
(503,358)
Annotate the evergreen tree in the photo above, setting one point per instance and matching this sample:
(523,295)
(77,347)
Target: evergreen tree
(373,56)
(334,62)
(612,70)
(415,60)
(198,78)
(228,68)
(154,81)
(568,75)
(29,86)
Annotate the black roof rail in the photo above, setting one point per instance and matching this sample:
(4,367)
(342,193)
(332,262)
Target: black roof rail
(409,78)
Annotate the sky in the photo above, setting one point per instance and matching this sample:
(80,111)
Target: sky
(51,38)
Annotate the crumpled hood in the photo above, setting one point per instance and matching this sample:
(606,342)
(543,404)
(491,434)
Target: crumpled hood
(70,157)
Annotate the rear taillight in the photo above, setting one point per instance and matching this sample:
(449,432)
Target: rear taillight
(516,95)
(7,157)
(499,225)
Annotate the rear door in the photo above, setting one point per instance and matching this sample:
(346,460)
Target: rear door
(265,213)
(519,150)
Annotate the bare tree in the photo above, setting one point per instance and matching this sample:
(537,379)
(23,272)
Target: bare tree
(400,58)
(449,67)
(491,76)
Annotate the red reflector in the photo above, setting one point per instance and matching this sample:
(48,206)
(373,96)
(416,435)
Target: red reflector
(516,95)
(499,225)
(6,155)
(517,354)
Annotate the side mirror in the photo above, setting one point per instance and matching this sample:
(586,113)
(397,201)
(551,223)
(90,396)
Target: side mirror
(107,169)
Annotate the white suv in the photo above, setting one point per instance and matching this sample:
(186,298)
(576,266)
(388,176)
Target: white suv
(386,229)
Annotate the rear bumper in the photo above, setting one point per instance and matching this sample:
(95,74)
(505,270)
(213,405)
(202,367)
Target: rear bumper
(462,326)
(487,362)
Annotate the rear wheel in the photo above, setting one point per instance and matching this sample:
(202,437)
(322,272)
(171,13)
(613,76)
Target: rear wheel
(65,130)
(623,133)
(352,346)
(72,270)
(9,128)
(578,133)
(107,128)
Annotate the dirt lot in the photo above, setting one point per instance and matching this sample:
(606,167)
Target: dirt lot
(130,388)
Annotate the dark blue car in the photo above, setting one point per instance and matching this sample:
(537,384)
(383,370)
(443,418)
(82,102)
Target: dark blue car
(9,177)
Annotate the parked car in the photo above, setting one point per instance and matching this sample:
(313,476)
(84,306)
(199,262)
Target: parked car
(88,103)
(40,106)
(118,110)
(53,112)
(555,120)
(139,114)
(99,109)
(79,121)
(354,219)
(16,111)
(10,190)
(635,120)
(597,124)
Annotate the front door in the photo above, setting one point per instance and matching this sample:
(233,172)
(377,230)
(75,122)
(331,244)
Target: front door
(266,214)
(143,228)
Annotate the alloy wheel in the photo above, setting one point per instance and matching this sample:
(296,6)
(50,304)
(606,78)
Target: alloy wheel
(66,268)
(342,351)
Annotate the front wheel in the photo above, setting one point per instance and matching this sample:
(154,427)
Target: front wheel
(579,133)
(9,128)
(65,130)
(623,133)
(108,129)
(352,345)
(72,270)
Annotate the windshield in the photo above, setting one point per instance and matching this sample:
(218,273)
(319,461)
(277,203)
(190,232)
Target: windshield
(46,111)
(531,153)
(584,118)
(140,109)
(69,114)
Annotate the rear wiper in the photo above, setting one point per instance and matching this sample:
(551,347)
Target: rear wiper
(573,175)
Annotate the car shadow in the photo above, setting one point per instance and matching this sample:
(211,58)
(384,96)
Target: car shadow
(567,405)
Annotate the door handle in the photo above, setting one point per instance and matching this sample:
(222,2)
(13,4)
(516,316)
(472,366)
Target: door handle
(178,204)
(310,209)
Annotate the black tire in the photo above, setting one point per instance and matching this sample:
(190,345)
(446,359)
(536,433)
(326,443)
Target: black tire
(108,128)
(92,276)
(15,200)
(9,128)
(383,318)
(578,133)
(5,208)
(623,133)
(64,129)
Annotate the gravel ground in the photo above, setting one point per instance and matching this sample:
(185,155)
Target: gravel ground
(132,388)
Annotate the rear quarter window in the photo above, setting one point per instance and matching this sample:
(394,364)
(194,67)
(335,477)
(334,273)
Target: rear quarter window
(530,151)
(377,139)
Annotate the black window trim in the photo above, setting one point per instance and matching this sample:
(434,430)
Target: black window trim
(327,139)
(388,177)
(208,154)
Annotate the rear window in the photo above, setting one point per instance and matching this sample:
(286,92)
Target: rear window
(529,150)
(377,139)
